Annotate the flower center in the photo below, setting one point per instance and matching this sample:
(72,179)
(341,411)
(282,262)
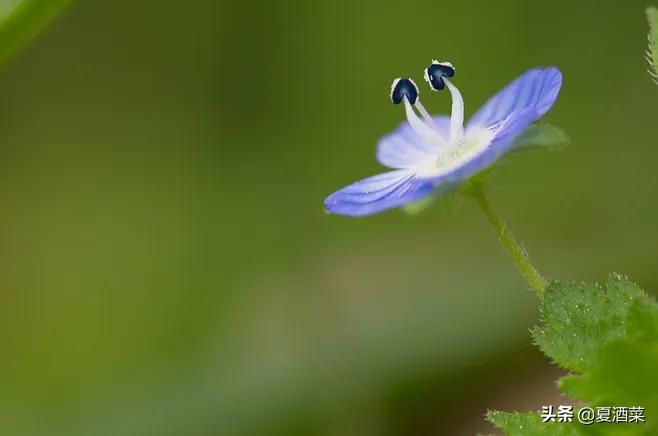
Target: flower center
(457,153)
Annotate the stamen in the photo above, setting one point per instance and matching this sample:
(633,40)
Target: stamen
(437,75)
(457,116)
(405,90)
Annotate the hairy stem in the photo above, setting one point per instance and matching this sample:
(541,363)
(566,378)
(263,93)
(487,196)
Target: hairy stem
(515,250)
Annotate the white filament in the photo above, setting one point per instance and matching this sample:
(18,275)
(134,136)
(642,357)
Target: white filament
(457,116)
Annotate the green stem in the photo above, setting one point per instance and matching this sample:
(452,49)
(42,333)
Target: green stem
(515,250)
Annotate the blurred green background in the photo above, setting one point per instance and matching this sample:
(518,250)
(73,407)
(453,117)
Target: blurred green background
(166,266)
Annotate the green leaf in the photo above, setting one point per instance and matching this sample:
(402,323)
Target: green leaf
(609,338)
(652,50)
(642,322)
(541,135)
(624,371)
(21,21)
(577,318)
(531,424)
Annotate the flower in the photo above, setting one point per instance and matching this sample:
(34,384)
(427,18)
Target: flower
(432,154)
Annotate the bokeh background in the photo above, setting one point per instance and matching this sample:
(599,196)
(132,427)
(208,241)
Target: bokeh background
(166,266)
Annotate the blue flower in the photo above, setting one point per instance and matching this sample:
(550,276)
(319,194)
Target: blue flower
(433,154)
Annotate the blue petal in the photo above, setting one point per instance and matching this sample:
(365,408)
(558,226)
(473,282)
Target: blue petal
(377,193)
(531,95)
(404,148)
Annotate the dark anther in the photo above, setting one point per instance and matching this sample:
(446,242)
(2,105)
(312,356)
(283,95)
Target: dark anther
(404,88)
(435,73)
